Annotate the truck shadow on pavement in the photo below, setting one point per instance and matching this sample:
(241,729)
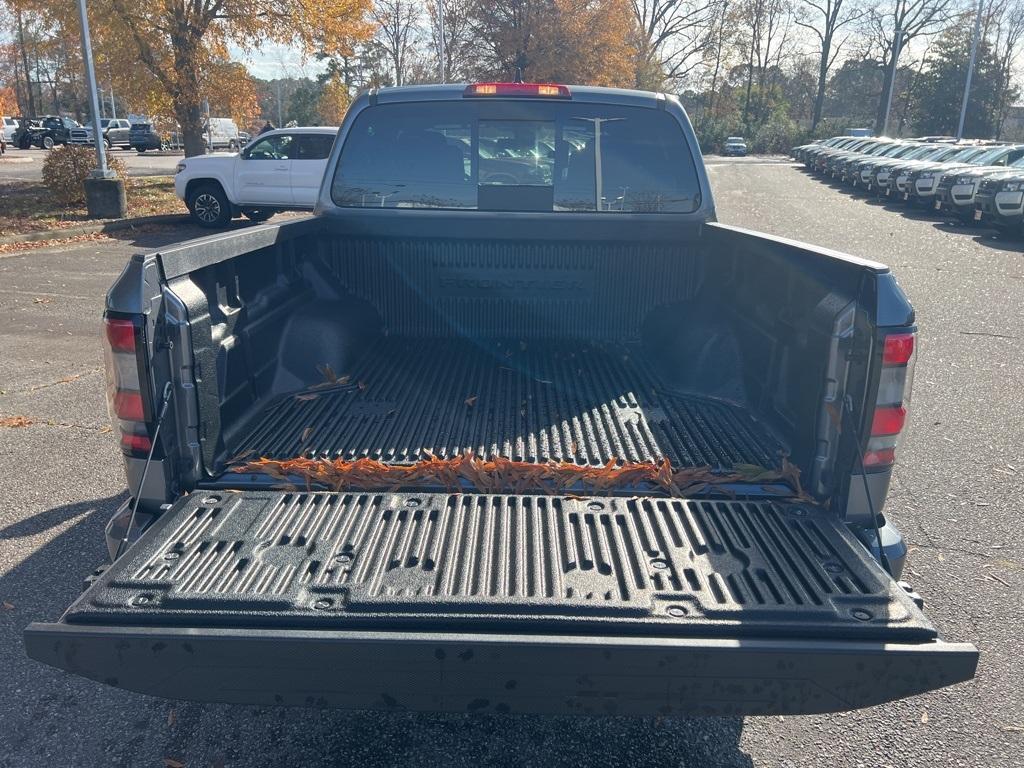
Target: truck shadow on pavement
(156,236)
(51,717)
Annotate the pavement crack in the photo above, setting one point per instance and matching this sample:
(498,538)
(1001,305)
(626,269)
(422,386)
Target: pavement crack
(63,380)
(989,334)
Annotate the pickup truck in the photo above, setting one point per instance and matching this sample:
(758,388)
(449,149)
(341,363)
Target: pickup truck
(532,435)
(115,133)
(280,170)
(45,132)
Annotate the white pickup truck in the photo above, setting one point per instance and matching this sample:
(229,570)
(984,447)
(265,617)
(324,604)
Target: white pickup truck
(278,171)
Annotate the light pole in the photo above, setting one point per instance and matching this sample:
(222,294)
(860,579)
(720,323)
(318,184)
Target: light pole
(104,192)
(897,44)
(440,34)
(970,72)
(101,171)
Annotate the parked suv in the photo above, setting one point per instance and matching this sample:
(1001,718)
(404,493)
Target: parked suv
(915,183)
(280,170)
(145,136)
(999,202)
(735,146)
(955,191)
(115,133)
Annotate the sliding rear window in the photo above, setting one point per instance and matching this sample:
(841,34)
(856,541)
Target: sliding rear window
(517,156)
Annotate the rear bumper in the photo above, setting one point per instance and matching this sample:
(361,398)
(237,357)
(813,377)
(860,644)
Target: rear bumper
(464,672)
(152,142)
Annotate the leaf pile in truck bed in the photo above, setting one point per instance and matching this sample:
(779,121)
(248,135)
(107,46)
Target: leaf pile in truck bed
(501,475)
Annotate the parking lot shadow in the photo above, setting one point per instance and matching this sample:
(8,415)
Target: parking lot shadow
(51,717)
(156,236)
(1000,241)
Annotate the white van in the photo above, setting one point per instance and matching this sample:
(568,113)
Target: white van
(221,133)
(9,126)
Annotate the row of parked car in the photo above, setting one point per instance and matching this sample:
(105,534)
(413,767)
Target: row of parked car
(970,181)
(52,130)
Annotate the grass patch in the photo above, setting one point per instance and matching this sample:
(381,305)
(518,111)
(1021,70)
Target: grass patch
(29,207)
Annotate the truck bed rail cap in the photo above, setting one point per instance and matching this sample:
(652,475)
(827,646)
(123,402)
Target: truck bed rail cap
(874,266)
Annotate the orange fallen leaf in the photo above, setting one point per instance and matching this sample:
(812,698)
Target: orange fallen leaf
(170,762)
(15,421)
(7,606)
(307,396)
(328,373)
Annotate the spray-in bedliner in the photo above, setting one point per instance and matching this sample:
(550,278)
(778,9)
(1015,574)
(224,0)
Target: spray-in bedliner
(408,399)
(408,560)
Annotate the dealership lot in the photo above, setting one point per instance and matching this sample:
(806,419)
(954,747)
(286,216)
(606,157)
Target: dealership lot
(27,164)
(956,496)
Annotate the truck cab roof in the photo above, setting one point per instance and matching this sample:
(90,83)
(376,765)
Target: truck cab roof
(457,91)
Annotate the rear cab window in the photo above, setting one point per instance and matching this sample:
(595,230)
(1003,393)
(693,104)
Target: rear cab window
(507,155)
(313,146)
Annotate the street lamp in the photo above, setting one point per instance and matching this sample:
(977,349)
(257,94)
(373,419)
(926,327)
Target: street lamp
(970,72)
(104,192)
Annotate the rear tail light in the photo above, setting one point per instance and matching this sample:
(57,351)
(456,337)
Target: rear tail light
(128,391)
(890,415)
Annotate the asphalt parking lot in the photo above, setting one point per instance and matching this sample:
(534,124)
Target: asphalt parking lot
(27,164)
(957,495)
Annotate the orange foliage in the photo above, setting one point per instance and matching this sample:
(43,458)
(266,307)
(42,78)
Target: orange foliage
(231,91)
(334,101)
(8,102)
(183,46)
(501,475)
(588,42)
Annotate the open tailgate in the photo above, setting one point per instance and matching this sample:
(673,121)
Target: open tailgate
(467,602)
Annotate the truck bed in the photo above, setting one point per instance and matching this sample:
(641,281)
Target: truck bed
(532,402)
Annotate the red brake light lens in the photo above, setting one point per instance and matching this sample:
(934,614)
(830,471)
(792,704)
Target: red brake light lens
(128,405)
(888,420)
(134,444)
(884,457)
(530,90)
(898,349)
(120,335)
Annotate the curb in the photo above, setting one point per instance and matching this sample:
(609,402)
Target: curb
(88,229)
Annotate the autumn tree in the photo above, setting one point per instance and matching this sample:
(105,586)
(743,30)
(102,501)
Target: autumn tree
(673,36)
(826,21)
(397,31)
(461,54)
(768,26)
(1003,28)
(334,101)
(180,42)
(571,41)
(8,101)
(894,28)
